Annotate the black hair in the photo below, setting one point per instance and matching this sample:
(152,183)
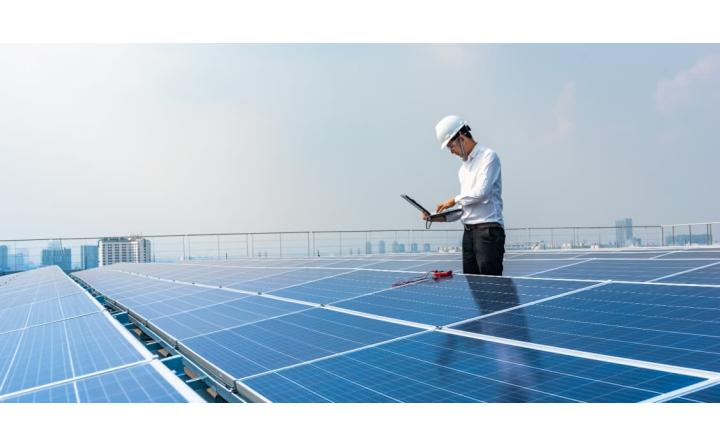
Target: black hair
(465,131)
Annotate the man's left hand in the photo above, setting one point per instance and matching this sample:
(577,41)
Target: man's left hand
(445,205)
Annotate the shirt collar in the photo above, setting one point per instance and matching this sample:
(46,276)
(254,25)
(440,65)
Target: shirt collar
(478,148)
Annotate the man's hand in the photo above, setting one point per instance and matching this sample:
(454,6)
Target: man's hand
(436,218)
(445,205)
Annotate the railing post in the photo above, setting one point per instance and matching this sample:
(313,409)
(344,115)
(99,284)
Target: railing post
(252,245)
(674,235)
(308,243)
(280,236)
(340,233)
(662,236)
(710,237)
(690,234)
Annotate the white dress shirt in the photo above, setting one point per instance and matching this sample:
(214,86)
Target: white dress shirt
(480,188)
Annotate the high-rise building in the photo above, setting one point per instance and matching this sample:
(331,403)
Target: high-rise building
(381,246)
(368,247)
(88,257)
(623,232)
(16,262)
(134,249)
(3,258)
(426,247)
(414,248)
(56,255)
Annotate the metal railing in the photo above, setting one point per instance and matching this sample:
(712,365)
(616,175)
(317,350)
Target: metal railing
(22,254)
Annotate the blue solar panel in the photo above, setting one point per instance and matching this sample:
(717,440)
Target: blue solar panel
(203,297)
(42,357)
(14,318)
(222,316)
(96,345)
(412,265)
(521,268)
(709,275)
(437,367)
(55,394)
(675,325)
(8,344)
(344,286)
(707,395)
(624,270)
(45,312)
(290,339)
(138,384)
(77,304)
(694,254)
(285,278)
(458,298)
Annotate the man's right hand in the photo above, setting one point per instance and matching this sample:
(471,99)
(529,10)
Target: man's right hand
(436,218)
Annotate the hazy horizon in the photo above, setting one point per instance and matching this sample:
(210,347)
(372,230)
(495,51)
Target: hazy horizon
(115,139)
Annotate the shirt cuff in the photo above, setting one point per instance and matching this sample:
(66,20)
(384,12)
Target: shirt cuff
(457,199)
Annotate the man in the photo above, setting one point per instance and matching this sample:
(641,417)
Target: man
(480,198)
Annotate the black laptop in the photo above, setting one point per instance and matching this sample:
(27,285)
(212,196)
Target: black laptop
(425,211)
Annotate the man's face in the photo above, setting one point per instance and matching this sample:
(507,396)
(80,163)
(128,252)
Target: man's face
(454,145)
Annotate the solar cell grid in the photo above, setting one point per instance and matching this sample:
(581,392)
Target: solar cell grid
(462,297)
(291,339)
(624,270)
(448,368)
(664,324)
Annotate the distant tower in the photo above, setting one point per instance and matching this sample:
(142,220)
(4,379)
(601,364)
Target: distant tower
(88,257)
(381,246)
(56,255)
(623,232)
(368,248)
(134,249)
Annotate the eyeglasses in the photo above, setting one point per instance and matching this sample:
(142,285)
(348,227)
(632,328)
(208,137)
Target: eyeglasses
(453,140)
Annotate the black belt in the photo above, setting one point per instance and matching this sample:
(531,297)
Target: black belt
(482,225)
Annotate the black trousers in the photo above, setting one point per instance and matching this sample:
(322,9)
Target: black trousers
(483,250)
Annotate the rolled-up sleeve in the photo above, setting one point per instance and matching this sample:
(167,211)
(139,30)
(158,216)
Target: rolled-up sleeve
(486,176)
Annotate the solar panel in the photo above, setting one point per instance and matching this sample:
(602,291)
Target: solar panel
(290,339)
(523,268)
(437,367)
(673,325)
(564,335)
(459,298)
(62,337)
(706,275)
(706,395)
(342,287)
(222,316)
(624,270)
(138,384)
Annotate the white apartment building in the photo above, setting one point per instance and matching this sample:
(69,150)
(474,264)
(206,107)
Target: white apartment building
(134,249)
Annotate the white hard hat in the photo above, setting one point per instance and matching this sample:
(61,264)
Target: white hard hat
(447,128)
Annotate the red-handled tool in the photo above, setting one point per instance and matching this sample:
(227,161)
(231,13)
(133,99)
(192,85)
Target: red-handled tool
(434,274)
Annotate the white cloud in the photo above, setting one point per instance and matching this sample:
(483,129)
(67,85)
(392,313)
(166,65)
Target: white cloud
(688,84)
(564,111)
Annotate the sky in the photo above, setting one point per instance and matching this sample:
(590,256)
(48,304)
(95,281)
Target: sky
(100,140)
